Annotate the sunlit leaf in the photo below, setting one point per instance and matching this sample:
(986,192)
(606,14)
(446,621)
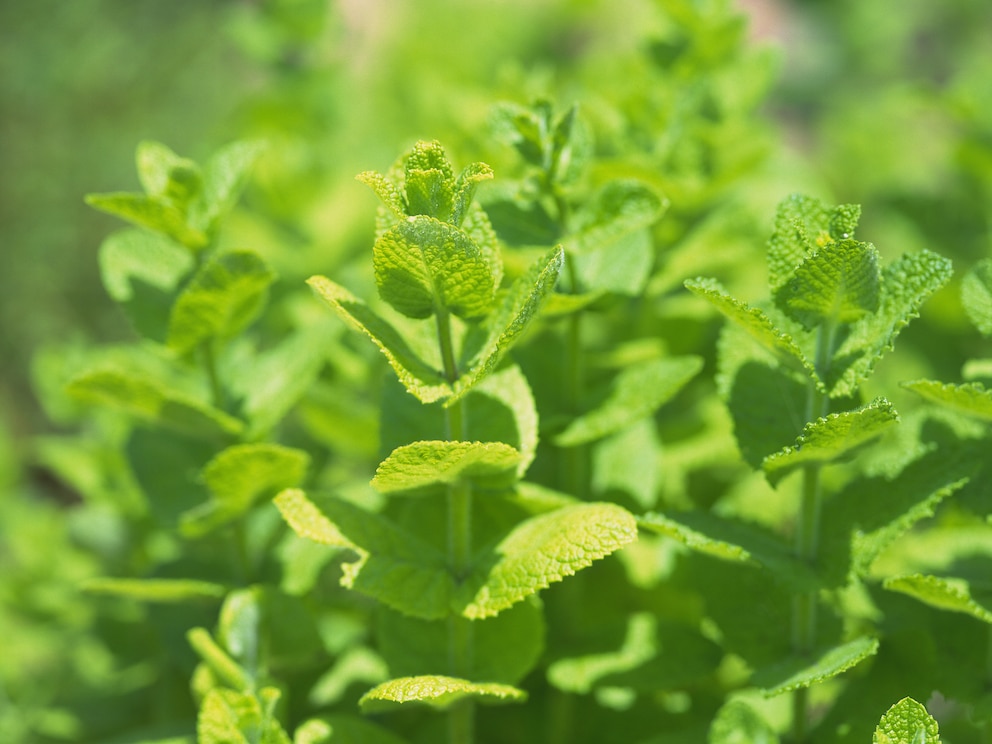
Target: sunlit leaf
(418,468)
(906,722)
(436,691)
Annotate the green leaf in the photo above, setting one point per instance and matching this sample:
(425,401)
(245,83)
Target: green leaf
(224,178)
(755,322)
(386,191)
(238,477)
(157,590)
(906,722)
(580,675)
(151,400)
(905,286)
(945,593)
(423,265)
(420,379)
(419,468)
(541,550)
(436,691)
(637,392)
(313,731)
(163,173)
(733,540)
(470,177)
(229,717)
(239,626)
(152,213)
(976,295)
(738,723)
(837,283)
(831,437)
(822,665)
(520,628)
(222,299)
(394,567)
(224,668)
(514,313)
(970,398)
(627,462)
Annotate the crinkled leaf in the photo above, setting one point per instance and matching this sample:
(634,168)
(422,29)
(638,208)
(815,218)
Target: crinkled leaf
(970,398)
(470,177)
(151,400)
(831,437)
(520,628)
(620,208)
(755,322)
(637,392)
(420,379)
(394,567)
(946,593)
(385,190)
(976,295)
(429,193)
(222,299)
(428,155)
(541,550)
(738,723)
(905,286)
(229,717)
(419,468)
(157,590)
(152,213)
(515,311)
(797,672)
(477,226)
(436,691)
(906,722)
(733,540)
(238,477)
(423,265)
(837,283)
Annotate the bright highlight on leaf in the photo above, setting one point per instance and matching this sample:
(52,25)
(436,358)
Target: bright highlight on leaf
(418,468)
(945,593)
(157,590)
(436,691)
(971,399)
(906,722)
(230,717)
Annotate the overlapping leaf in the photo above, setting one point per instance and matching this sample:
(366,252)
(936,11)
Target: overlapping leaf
(976,295)
(829,438)
(437,691)
(152,213)
(230,717)
(906,722)
(971,399)
(946,593)
(421,468)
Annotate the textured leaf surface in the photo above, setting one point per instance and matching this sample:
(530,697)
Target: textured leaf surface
(385,190)
(970,398)
(541,550)
(976,295)
(150,400)
(906,722)
(621,207)
(223,298)
(157,590)
(755,322)
(831,437)
(421,380)
(423,265)
(801,672)
(436,691)
(837,283)
(394,567)
(151,213)
(515,311)
(418,468)
(946,593)
(637,392)
(733,540)
(229,717)
(906,284)
(470,177)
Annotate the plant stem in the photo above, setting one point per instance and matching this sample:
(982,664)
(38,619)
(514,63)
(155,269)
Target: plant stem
(461,717)
(808,532)
(210,366)
(574,477)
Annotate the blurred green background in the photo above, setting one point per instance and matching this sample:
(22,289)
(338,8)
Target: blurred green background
(887,105)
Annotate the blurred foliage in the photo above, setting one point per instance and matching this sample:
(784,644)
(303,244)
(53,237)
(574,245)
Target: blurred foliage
(850,100)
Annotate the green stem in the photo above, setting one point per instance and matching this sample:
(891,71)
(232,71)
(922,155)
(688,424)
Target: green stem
(210,366)
(461,717)
(808,533)
(574,460)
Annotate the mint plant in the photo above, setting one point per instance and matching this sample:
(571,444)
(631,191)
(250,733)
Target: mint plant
(834,312)
(462,544)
